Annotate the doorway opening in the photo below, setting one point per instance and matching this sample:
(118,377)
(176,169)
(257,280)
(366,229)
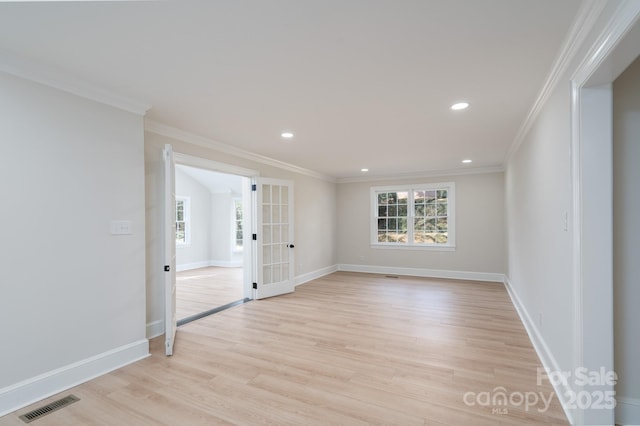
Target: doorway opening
(204,291)
(210,240)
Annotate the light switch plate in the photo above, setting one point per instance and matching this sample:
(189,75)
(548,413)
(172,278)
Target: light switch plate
(120,227)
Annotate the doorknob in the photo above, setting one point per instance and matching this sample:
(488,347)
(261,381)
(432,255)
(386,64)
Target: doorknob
(290,245)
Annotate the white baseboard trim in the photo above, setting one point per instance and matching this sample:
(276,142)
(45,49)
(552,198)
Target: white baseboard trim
(310,276)
(155,329)
(546,357)
(193,265)
(423,272)
(226,263)
(207,263)
(627,411)
(50,383)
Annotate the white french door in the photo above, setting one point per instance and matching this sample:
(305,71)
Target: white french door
(170,321)
(273,238)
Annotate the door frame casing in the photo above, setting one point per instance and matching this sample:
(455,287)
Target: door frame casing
(170,321)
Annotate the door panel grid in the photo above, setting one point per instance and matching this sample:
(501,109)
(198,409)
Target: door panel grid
(275,226)
(275,237)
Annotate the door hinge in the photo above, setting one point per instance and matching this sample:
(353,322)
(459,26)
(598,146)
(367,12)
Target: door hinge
(255,286)
(167,268)
(254,187)
(255,237)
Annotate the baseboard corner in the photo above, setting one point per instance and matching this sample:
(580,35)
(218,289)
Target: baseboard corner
(314,275)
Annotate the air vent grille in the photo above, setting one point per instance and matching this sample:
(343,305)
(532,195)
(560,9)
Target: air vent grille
(48,409)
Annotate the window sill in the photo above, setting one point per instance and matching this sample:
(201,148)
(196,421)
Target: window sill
(414,247)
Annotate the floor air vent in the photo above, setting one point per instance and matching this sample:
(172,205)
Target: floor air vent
(49,408)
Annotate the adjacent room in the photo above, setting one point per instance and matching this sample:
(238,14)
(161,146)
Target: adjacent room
(320,212)
(209,240)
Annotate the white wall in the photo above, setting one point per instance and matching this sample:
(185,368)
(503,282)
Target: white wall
(480,248)
(198,251)
(538,193)
(72,297)
(626,236)
(314,210)
(221,248)
(539,188)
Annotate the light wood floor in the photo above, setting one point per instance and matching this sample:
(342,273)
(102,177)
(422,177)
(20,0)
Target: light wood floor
(199,290)
(347,349)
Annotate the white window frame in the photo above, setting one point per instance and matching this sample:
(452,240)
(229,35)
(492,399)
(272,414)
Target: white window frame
(234,225)
(450,245)
(187,221)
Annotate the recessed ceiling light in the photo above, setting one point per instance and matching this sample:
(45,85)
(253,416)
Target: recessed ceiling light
(459,106)
(467,161)
(286,135)
(364,170)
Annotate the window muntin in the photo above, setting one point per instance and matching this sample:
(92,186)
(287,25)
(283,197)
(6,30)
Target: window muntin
(413,216)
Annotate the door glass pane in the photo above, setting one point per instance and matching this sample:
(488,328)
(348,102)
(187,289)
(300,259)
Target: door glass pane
(266,254)
(284,214)
(285,272)
(285,255)
(275,194)
(276,274)
(275,250)
(266,234)
(266,214)
(266,274)
(275,234)
(276,214)
(266,194)
(285,195)
(285,234)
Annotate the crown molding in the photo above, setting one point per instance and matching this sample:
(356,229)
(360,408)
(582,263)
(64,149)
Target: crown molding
(587,16)
(619,25)
(188,137)
(184,136)
(423,174)
(66,82)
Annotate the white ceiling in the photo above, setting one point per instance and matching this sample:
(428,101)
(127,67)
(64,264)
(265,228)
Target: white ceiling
(216,183)
(361,83)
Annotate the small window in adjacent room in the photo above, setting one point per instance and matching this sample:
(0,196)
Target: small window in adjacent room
(183,218)
(237,211)
(413,216)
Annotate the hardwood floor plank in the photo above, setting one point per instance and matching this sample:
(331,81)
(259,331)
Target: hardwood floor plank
(345,349)
(198,290)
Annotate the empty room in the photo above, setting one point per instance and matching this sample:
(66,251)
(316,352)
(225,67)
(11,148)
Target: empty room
(410,212)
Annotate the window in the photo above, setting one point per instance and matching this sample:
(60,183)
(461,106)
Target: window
(414,216)
(237,211)
(183,217)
